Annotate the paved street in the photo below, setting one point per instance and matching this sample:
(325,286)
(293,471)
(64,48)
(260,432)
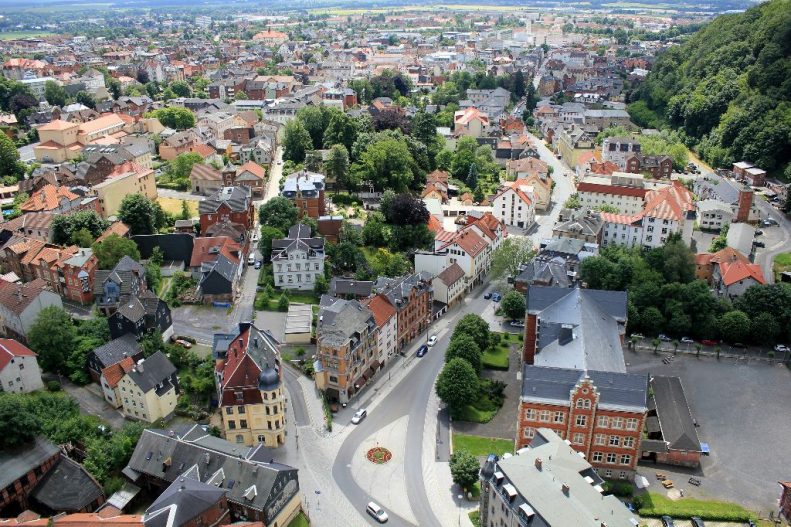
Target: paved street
(92,402)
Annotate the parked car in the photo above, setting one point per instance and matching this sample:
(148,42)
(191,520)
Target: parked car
(782,348)
(769,222)
(667,521)
(738,345)
(359,415)
(517,323)
(687,340)
(496,297)
(258,264)
(664,338)
(758,243)
(183,343)
(697,522)
(758,232)
(422,350)
(376,511)
(637,336)
(432,340)
(251,259)
(487,295)
(709,342)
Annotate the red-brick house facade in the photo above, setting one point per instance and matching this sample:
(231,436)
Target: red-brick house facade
(602,416)
(229,204)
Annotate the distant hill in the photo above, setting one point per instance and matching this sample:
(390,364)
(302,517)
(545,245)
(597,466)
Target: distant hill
(728,88)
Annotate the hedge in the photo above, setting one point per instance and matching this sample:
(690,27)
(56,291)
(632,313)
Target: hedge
(653,505)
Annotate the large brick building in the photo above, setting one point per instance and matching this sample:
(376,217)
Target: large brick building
(229,205)
(411,296)
(600,413)
(306,190)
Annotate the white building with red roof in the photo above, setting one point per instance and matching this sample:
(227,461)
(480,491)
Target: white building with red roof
(515,204)
(470,122)
(19,371)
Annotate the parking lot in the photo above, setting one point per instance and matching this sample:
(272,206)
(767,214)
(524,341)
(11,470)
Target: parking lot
(741,407)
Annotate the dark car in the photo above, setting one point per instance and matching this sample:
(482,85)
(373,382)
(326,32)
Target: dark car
(759,243)
(422,350)
(697,522)
(496,297)
(667,521)
(487,295)
(738,345)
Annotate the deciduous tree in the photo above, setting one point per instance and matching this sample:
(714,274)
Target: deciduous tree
(53,337)
(110,250)
(457,384)
(139,213)
(464,347)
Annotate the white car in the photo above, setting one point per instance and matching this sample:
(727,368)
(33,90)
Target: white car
(376,511)
(359,415)
(432,340)
(782,348)
(687,340)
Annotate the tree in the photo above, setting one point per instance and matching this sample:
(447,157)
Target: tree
(279,212)
(53,337)
(176,117)
(139,213)
(54,93)
(346,257)
(17,425)
(180,88)
(282,302)
(82,238)
(386,163)
(464,468)
(519,84)
(652,321)
(734,326)
(114,86)
(392,119)
(337,167)
(424,128)
(321,286)
(376,232)
(475,327)
(268,233)
(185,211)
(63,227)
(511,253)
(513,305)
(457,384)
(110,250)
(296,141)
(342,129)
(464,347)
(9,159)
(181,166)
(472,175)
(85,98)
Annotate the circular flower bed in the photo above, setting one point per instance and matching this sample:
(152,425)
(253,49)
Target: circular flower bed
(379,455)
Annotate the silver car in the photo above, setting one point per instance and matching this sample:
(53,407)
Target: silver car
(359,415)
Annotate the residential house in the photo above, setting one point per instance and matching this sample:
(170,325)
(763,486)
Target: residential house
(752,175)
(76,272)
(251,175)
(110,379)
(62,141)
(205,179)
(128,277)
(35,225)
(346,348)
(492,102)
(618,149)
(249,381)
(607,118)
(350,289)
(655,166)
(19,371)
(471,123)
(625,192)
(262,490)
(298,259)
(600,413)
(56,200)
(260,150)
(20,305)
(232,204)
(67,488)
(572,142)
(714,214)
(547,484)
(306,190)
(386,319)
(671,431)
(188,502)
(178,143)
(412,298)
(270,38)
(449,285)
(534,173)
(112,353)
(514,204)
(729,272)
(21,469)
(149,391)
(141,315)
(219,272)
(126,179)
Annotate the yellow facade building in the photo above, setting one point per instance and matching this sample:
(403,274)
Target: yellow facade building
(128,178)
(149,391)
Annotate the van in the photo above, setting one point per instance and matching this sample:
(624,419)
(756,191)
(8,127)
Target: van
(376,511)
(251,259)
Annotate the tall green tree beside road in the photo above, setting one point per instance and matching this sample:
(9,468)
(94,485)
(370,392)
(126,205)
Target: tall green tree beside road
(457,384)
(296,141)
(53,337)
(464,468)
(513,305)
(512,252)
(9,159)
(464,347)
(279,212)
(139,213)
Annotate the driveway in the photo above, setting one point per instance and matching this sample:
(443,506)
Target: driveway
(92,402)
(741,406)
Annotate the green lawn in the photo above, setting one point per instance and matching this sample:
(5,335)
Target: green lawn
(303,297)
(475,518)
(496,358)
(482,446)
(13,35)
(655,505)
(474,415)
(300,521)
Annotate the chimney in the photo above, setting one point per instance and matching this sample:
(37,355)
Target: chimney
(539,463)
(565,488)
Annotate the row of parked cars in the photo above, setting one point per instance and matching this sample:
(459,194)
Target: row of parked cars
(667,521)
(780,348)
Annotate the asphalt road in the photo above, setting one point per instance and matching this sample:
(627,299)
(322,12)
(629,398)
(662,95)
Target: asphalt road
(409,397)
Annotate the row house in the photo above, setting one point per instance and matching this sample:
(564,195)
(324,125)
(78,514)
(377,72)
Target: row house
(306,190)
(514,204)
(618,149)
(655,166)
(412,298)
(249,386)
(229,204)
(625,192)
(298,259)
(127,178)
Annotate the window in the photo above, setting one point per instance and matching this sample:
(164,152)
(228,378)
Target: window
(544,416)
(578,438)
(604,421)
(239,438)
(240,409)
(229,410)
(529,432)
(631,424)
(232,425)
(626,459)
(611,457)
(617,422)
(530,414)
(581,420)
(242,423)
(622,475)
(608,473)
(583,403)
(628,442)
(260,438)
(597,457)
(559,417)
(600,439)
(615,441)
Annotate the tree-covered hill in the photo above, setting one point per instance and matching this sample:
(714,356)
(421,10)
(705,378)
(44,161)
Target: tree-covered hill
(728,88)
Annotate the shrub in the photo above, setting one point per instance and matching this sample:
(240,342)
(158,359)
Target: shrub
(53,386)
(622,489)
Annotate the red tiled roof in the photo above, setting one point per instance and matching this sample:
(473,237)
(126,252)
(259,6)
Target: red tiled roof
(611,189)
(253,168)
(451,274)
(733,272)
(469,241)
(381,309)
(10,348)
(202,250)
(115,372)
(118,228)
(47,198)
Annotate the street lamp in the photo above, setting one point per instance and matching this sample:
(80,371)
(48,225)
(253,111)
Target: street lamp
(318,504)
(460,497)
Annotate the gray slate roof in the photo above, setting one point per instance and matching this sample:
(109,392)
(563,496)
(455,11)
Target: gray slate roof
(115,350)
(343,320)
(155,370)
(15,463)
(67,487)
(675,418)
(344,286)
(623,391)
(237,199)
(182,501)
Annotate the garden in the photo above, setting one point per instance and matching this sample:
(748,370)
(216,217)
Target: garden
(480,446)
(654,505)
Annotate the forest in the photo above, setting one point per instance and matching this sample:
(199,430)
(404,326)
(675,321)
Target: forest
(727,89)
